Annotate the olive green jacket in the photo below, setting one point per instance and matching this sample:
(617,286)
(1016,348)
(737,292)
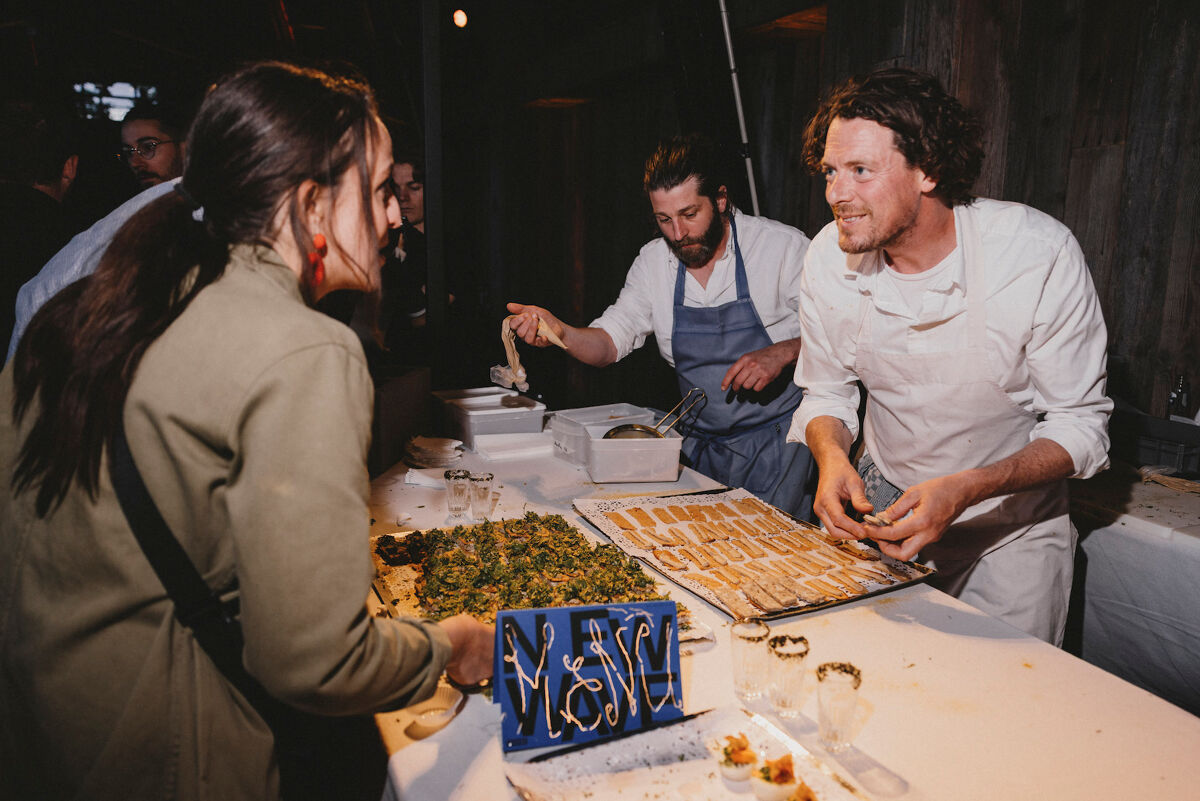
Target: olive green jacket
(249,419)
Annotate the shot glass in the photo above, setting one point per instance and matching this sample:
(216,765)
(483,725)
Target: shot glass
(749,647)
(458,492)
(837,703)
(481,495)
(785,676)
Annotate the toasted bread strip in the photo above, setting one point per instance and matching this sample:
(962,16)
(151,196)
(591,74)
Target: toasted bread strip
(761,597)
(806,594)
(867,574)
(668,559)
(697,511)
(711,555)
(750,547)
(797,543)
(693,555)
(734,603)
(781,589)
(676,536)
(662,514)
(637,540)
(724,510)
(639,514)
(727,575)
(765,523)
(619,520)
(772,546)
(846,580)
(836,554)
(700,532)
(704,580)
(828,589)
(728,551)
(679,512)
(804,565)
(746,527)
(651,534)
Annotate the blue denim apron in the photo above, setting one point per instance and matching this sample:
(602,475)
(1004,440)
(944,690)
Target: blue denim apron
(739,439)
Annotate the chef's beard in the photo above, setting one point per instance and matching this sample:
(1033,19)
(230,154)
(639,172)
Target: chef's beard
(896,232)
(700,249)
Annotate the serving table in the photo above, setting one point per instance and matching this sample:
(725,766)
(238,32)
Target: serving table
(954,703)
(1137,584)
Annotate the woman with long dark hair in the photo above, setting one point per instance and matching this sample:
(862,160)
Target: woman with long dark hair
(247,415)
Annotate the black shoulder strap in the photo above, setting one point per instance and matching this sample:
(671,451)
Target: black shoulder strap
(196,605)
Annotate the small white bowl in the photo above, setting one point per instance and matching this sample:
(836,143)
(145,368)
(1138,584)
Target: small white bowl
(736,773)
(432,714)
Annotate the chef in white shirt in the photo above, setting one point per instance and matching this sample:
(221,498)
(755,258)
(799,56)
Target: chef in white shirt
(720,292)
(975,328)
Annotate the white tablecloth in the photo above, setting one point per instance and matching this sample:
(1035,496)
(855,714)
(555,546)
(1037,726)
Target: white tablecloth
(958,705)
(1139,582)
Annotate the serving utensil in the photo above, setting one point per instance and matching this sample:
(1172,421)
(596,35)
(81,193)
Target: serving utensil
(643,431)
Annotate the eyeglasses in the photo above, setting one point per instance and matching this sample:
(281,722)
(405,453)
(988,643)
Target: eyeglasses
(144,148)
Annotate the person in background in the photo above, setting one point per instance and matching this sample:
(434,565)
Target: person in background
(975,328)
(720,292)
(38,161)
(247,414)
(152,142)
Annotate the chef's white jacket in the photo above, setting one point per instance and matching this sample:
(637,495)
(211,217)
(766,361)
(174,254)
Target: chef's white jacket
(774,256)
(1046,335)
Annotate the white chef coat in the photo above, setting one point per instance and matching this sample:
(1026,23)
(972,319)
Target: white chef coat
(1008,325)
(1046,339)
(774,257)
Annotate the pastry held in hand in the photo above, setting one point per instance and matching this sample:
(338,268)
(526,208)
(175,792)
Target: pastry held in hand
(514,374)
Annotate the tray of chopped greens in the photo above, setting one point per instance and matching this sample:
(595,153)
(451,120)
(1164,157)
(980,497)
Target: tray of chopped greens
(524,563)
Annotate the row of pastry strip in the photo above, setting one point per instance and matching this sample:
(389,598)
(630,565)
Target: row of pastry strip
(747,590)
(690,512)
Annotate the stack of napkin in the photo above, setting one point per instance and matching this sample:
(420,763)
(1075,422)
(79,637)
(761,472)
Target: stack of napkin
(432,452)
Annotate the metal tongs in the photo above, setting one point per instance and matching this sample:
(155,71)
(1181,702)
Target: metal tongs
(642,431)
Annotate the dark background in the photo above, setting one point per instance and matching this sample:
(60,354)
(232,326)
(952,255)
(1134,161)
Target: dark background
(540,114)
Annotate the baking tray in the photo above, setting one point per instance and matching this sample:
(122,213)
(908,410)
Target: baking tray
(787,567)
(663,761)
(395,587)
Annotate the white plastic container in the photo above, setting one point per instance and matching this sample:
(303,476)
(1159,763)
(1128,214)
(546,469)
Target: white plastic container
(621,460)
(489,410)
(569,426)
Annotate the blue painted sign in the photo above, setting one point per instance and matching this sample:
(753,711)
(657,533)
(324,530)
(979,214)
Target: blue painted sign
(577,673)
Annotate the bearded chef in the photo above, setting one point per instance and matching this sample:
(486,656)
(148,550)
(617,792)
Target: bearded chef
(974,326)
(720,292)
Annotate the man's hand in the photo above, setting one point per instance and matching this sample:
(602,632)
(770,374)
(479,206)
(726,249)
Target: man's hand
(838,483)
(472,646)
(755,370)
(937,503)
(526,324)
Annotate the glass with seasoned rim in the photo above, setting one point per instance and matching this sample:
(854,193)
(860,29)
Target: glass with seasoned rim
(748,644)
(785,676)
(837,703)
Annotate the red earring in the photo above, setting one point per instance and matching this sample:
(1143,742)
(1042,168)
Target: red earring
(315,259)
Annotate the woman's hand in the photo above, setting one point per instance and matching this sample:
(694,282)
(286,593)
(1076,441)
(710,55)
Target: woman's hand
(472,649)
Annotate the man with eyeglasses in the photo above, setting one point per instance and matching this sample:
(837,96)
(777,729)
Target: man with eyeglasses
(152,143)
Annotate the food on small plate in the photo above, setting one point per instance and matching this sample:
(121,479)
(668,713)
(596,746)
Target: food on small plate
(802,793)
(737,758)
(775,780)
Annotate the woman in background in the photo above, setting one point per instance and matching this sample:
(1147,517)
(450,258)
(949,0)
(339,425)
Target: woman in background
(247,414)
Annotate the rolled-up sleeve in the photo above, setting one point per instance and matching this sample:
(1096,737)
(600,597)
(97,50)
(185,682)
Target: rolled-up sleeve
(1067,361)
(630,319)
(824,369)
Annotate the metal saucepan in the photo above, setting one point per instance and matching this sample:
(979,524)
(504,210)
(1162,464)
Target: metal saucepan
(642,431)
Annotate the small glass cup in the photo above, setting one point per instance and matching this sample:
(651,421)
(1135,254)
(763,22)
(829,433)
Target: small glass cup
(837,701)
(458,492)
(481,495)
(785,676)
(749,648)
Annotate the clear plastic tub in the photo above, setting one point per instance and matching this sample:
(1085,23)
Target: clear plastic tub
(569,426)
(621,460)
(489,410)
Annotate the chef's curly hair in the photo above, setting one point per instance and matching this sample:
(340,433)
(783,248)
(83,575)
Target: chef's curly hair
(934,131)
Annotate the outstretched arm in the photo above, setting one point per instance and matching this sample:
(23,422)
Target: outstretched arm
(589,345)
(838,481)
